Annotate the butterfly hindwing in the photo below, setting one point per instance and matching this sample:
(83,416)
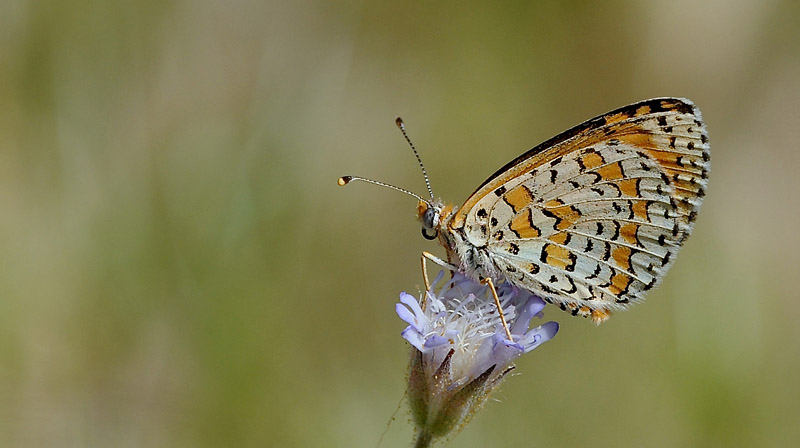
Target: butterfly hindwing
(593,218)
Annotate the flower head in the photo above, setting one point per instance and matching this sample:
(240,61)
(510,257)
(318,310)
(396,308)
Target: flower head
(461,350)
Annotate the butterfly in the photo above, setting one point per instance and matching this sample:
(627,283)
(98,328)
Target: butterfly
(589,220)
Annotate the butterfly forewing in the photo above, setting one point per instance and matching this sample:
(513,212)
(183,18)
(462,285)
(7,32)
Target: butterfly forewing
(592,218)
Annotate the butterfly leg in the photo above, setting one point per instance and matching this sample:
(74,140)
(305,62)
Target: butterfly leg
(488,281)
(429,256)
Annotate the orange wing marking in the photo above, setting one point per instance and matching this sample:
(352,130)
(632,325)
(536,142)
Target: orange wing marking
(518,198)
(619,284)
(522,226)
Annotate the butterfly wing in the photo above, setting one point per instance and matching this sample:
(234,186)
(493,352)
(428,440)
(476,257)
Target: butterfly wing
(593,218)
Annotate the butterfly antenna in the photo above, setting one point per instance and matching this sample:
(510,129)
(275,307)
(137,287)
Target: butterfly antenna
(399,122)
(344,180)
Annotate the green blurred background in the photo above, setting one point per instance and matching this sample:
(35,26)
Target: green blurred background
(179,268)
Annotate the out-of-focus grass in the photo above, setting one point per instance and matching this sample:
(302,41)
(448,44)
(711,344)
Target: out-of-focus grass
(179,268)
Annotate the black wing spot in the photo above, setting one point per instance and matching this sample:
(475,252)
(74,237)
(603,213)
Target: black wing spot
(607,253)
(494,221)
(553,279)
(573,289)
(550,214)
(500,191)
(543,255)
(553,175)
(662,121)
(573,260)
(513,248)
(533,226)
(690,145)
(599,229)
(595,273)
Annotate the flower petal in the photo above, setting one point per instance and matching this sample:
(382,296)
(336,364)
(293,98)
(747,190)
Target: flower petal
(410,311)
(413,337)
(526,312)
(436,341)
(405,314)
(539,336)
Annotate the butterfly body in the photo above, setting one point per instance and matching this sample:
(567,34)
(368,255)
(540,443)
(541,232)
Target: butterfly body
(591,219)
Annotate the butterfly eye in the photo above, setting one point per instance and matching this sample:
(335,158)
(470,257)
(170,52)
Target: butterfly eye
(430,219)
(428,236)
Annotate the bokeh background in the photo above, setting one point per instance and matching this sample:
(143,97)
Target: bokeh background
(179,268)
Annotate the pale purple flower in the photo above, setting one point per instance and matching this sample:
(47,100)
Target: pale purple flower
(461,349)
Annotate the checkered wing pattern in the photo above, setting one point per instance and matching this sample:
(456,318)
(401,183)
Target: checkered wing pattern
(594,217)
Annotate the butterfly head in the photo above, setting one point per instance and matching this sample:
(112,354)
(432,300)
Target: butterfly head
(433,215)
(429,215)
